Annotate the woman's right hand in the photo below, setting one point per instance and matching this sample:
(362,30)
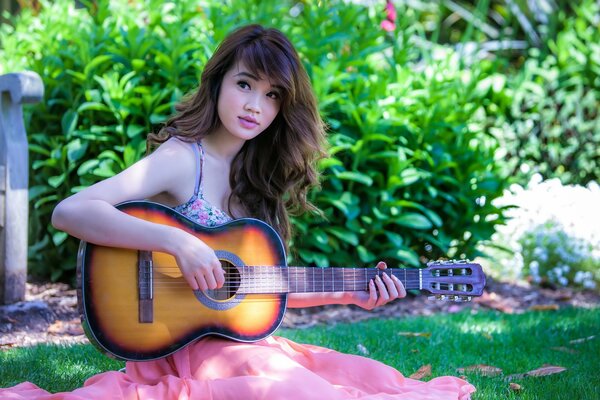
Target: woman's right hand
(198,263)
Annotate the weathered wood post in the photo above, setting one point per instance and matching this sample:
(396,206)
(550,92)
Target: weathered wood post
(15,89)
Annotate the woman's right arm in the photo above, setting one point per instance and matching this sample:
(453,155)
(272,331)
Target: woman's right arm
(90,215)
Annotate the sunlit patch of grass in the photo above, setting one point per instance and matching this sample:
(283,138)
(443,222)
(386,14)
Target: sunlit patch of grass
(514,343)
(490,328)
(53,367)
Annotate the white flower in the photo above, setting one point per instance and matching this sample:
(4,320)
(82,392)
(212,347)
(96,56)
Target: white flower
(534,266)
(589,284)
(563,281)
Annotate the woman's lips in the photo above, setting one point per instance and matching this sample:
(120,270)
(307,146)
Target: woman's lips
(247,123)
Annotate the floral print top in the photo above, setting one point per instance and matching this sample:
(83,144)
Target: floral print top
(197,208)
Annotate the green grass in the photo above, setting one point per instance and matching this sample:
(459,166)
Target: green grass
(514,343)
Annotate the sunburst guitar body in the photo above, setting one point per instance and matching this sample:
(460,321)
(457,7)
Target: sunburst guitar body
(135,305)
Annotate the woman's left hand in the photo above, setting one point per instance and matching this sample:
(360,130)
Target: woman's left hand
(381,291)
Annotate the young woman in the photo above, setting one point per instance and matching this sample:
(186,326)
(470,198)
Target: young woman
(244,144)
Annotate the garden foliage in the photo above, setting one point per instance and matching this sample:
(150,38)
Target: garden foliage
(549,123)
(413,168)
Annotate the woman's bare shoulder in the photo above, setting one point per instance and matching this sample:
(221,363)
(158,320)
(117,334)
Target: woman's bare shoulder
(167,170)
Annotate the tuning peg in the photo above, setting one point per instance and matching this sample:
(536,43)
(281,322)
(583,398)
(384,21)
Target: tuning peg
(437,297)
(459,299)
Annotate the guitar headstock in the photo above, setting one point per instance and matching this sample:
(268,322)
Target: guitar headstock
(455,280)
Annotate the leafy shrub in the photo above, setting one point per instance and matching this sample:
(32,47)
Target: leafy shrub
(412,171)
(111,73)
(551,124)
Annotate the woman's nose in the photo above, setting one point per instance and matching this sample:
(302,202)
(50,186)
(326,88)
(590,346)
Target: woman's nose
(253,104)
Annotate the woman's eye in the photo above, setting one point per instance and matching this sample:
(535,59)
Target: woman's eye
(243,85)
(274,95)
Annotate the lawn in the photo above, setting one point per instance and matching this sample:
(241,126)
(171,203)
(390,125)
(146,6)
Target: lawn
(516,344)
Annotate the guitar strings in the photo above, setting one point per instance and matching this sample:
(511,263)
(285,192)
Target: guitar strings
(275,280)
(286,279)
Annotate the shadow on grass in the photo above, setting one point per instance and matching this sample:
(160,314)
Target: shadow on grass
(52,367)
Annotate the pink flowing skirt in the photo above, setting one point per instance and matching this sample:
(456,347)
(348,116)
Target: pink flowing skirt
(273,368)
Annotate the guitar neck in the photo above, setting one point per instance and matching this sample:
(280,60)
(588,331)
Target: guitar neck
(268,279)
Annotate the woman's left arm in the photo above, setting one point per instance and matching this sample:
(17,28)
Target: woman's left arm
(381,291)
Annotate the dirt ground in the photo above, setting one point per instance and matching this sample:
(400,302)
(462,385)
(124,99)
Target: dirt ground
(49,313)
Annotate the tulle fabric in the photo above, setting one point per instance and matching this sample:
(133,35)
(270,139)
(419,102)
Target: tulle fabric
(273,368)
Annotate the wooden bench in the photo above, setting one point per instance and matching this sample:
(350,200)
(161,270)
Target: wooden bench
(15,90)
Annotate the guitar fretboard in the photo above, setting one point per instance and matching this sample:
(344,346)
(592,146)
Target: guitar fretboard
(267,279)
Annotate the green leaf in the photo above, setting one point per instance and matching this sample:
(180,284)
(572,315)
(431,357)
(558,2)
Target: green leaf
(87,167)
(69,122)
(134,130)
(45,200)
(321,260)
(330,162)
(365,255)
(433,217)
(38,149)
(355,176)
(76,149)
(343,234)
(394,238)
(56,181)
(93,65)
(93,106)
(409,257)
(59,237)
(407,177)
(38,190)
(414,221)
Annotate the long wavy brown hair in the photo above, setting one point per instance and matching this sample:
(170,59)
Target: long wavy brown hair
(272,173)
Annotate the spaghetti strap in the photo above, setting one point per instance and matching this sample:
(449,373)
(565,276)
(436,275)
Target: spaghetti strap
(199,156)
(197,208)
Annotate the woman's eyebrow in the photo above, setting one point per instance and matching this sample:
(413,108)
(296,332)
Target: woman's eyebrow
(256,78)
(248,75)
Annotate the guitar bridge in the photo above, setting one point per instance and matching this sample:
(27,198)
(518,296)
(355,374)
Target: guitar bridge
(145,285)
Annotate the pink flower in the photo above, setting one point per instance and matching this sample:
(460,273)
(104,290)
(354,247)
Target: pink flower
(389,24)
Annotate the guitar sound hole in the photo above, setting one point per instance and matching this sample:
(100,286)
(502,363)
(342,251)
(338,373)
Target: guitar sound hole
(231,286)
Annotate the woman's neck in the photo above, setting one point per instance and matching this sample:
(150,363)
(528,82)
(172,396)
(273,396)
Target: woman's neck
(221,145)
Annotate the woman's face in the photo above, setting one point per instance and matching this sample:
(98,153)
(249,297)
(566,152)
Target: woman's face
(247,103)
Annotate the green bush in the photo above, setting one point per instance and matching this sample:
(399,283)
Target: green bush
(551,124)
(412,171)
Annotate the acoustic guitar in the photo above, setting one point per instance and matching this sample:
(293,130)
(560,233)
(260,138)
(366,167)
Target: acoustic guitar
(135,305)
